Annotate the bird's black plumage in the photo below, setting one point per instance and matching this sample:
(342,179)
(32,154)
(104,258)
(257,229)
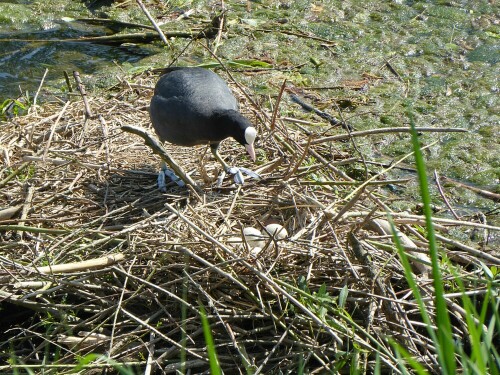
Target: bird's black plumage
(193,106)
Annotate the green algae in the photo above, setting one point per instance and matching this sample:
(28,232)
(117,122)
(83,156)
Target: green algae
(488,52)
(13,16)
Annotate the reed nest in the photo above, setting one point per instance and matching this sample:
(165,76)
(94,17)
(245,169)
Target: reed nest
(94,259)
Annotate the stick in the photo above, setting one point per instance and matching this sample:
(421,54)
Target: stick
(341,137)
(84,265)
(9,212)
(81,88)
(219,32)
(52,129)
(151,19)
(111,39)
(114,23)
(276,106)
(441,192)
(158,149)
(26,206)
(470,250)
(485,193)
(39,88)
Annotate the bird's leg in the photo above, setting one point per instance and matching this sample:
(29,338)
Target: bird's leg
(162,183)
(235,171)
(167,172)
(214,147)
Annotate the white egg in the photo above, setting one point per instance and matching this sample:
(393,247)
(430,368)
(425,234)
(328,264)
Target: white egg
(253,237)
(277,231)
(255,251)
(236,242)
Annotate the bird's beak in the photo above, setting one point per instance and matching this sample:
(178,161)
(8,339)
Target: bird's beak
(251,151)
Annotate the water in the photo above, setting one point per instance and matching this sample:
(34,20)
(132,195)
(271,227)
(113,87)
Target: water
(27,31)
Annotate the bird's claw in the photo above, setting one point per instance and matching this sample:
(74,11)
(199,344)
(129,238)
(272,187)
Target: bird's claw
(250,173)
(221,178)
(238,173)
(238,176)
(162,181)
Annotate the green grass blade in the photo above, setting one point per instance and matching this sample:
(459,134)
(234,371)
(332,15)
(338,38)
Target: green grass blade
(402,353)
(412,283)
(207,332)
(444,330)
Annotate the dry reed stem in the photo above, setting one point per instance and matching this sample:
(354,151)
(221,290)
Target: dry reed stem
(74,204)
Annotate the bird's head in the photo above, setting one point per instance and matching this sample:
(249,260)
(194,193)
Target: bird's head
(242,130)
(250,135)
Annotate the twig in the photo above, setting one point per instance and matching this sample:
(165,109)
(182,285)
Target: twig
(155,25)
(277,105)
(349,130)
(484,193)
(82,266)
(104,128)
(392,70)
(112,39)
(159,333)
(26,206)
(221,19)
(341,137)
(114,23)
(13,174)
(88,112)
(119,305)
(269,355)
(477,253)
(443,195)
(9,212)
(33,229)
(83,93)
(35,306)
(158,149)
(309,108)
(39,88)
(151,350)
(403,217)
(352,201)
(297,34)
(68,82)
(387,170)
(301,159)
(70,366)
(52,129)
(354,183)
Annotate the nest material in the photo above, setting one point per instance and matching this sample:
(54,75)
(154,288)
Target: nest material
(94,259)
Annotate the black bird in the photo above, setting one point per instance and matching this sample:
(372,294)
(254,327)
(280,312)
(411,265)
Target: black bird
(193,106)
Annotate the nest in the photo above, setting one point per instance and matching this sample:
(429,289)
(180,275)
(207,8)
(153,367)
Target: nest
(94,259)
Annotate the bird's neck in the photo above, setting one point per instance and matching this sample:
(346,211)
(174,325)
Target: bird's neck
(226,122)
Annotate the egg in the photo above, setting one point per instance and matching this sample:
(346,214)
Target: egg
(255,251)
(277,231)
(236,242)
(253,237)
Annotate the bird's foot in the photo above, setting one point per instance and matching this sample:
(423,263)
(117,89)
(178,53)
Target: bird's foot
(238,173)
(162,179)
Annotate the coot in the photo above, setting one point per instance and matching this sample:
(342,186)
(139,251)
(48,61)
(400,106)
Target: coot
(193,106)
